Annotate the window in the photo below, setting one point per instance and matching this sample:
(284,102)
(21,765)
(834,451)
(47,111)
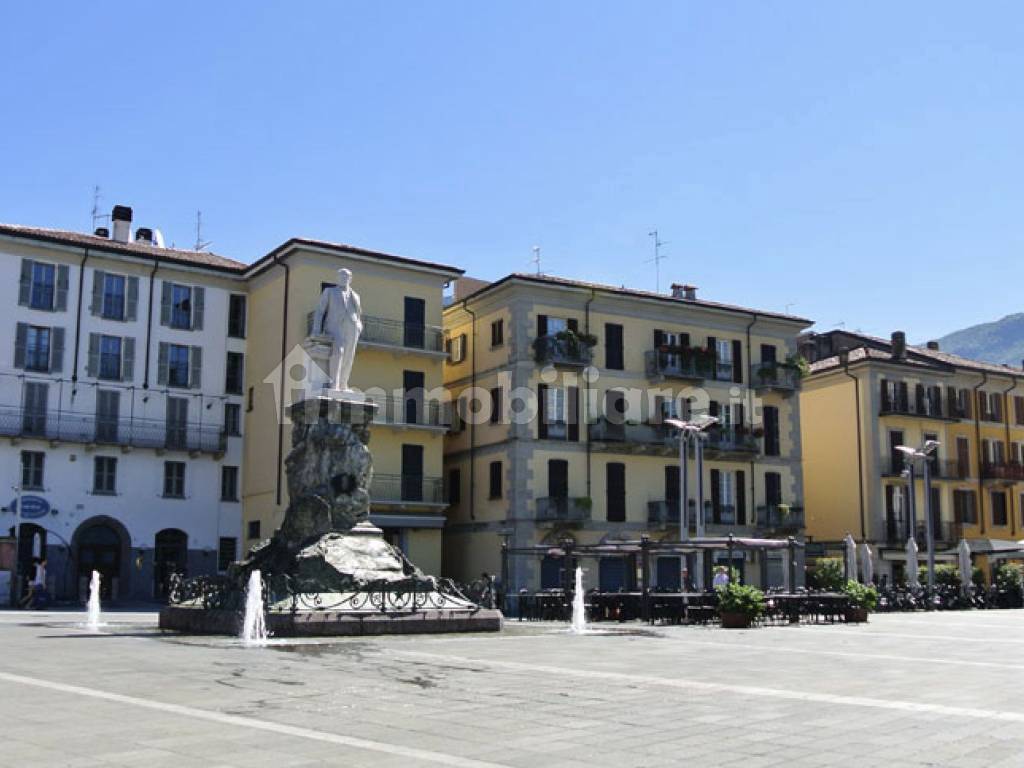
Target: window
(35,396)
(454,486)
(613,353)
(236,316)
(110,358)
(772,489)
(1018,410)
(615,489)
(174,479)
(497,333)
(227,551)
(37,348)
(965,509)
(253,529)
(999,516)
(43,288)
(495,480)
(104,475)
(455,346)
(723,355)
(235,373)
(232,419)
(995,409)
(770,414)
(181,306)
(177,422)
(177,365)
(32,470)
(496,405)
(113,297)
(229,483)
(108,409)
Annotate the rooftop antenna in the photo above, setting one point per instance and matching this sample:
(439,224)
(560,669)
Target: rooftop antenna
(658,256)
(790,304)
(200,243)
(536,257)
(96,215)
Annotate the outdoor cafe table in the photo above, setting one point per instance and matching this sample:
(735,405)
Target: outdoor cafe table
(826,606)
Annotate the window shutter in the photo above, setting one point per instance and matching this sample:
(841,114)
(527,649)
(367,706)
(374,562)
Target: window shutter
(165,305)
(952,401)
(542,421)
(713,408)
(572,408)
(741,498)
(61,299)
(56,350)
(659,337)
(919,398)
(884,393)
(92,362)
(968,405)
(713,346)
(96,306)
(161,364)
(573,324)
(462,347)
(20,342)
(127,359)
(656,414)
(716,494)
(131,301)
(684,339)
(25,283)
(542,325)
(904,397)
(739,415)
(737,361)
(198,302)
(195,366)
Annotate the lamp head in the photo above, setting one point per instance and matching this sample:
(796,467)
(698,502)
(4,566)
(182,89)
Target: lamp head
(906,450)
(930,446)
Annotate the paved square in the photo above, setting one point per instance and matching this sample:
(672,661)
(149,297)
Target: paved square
(909,690)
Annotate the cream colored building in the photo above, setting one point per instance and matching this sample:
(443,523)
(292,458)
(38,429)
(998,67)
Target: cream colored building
(563,387)
(400,359)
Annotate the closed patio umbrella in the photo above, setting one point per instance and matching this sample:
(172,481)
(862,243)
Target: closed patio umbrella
(851,557)
(869,565)
(912,563)
(964,557)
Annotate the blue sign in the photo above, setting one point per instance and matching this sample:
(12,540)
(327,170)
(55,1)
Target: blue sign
(32,507)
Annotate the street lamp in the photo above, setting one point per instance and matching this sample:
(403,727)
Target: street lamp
(924,452)
(692,430)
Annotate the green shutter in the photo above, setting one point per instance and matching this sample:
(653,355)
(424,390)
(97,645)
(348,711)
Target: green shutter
(56,350)
(131,302)
(20,342)
(25,284)
(92,363)
(161,364)
(61,300)
(198,300)
(195,365)
(96,307)
(165,304)
(127,359)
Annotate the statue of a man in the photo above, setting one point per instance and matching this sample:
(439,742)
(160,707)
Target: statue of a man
(339,316)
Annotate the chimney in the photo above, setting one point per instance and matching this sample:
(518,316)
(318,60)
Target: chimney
(682,291)
(122,220)
(933,345)
(144,235)
(899,345)
(102,232)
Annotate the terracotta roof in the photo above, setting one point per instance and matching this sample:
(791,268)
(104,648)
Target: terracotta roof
(142,250)
(623,291)
(342,248)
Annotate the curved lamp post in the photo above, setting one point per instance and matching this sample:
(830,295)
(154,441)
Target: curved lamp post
(924,452)
(692,431)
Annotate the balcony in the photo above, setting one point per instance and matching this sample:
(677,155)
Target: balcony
(941,469)
(89,429)
(946,532)
(564,349)
(661,365)
(663,513)
(396,335)
(563,509)
(784,518)
(632,438)
(1006,472)
(775,377)
(407,491)
(924,408)
(731,441)
(411,412)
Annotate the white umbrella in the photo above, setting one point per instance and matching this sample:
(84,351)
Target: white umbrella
(912,562)
(964,556)
(851,557)
(869,565)
(37,545)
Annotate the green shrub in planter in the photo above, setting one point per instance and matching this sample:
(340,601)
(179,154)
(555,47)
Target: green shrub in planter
(740,599)
(861,595)
(946,575)
(828,574)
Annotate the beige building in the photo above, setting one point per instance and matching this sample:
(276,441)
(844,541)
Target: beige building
(563,388)
(399,361)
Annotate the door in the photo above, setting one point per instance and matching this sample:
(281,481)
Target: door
(170,556)
(99,549)
(615,414)
(558,479)
(31,544)
(415,322)
(612,574)
(895,457)
(177,422)
(672,491)
(963,457)
(412,405)
(412,473)
(108,407)
(668,574)
(551,575)
(36,395)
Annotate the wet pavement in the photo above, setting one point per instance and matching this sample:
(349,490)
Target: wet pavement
(908,690)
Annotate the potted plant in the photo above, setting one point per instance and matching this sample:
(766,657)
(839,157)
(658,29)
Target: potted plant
(739,605)
(863,599)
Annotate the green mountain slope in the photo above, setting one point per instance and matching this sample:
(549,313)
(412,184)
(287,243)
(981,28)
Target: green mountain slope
(999,342)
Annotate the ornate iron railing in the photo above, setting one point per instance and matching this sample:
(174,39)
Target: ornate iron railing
(675,365)
(398,489)
(563,508)
(558,351)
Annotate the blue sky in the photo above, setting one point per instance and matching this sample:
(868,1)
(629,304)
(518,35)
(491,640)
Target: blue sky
(856,162)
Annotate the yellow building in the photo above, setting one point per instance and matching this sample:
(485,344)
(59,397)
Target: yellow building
(399,362)
(865,396)
(562,388)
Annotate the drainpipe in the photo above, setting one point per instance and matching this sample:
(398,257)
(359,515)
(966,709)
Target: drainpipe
(472,423)
(149,321)
(977,439)
(586,399)
(78,321)
(282,366)
(750,415)
(1006,424)
(860,450)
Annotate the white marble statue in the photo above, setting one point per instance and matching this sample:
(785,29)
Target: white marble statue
(338,315)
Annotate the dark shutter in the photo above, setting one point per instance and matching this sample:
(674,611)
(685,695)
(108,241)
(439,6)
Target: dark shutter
(919,405)
(61,298)
(25,283)
(131,302)
(616,492)
(684,339)
(968,405)
(770,415)
(165,303)
(951,402)
(572,407)
(737,361)
(713,346)
(98,278)
(128,359)
(198,306)
(558,478)
(713,408)
(162,363)
(20,341)
(573,324)
(542,325)
(884,394)
(659,337)
(542,414)
(613,353)
(92,361)
(904,398)
(56,350)
(195,363)
(672,484)
(716,495)
(495,480)
(741,498)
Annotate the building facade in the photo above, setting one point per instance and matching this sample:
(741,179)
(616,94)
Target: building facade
(865,396)
(561,391)
(399,366)
(121,386)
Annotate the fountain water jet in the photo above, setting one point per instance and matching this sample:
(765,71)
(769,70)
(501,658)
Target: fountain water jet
(254,625)
(92,620)
(579,610)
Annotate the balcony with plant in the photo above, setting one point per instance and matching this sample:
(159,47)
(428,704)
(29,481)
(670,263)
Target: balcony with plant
(566,347)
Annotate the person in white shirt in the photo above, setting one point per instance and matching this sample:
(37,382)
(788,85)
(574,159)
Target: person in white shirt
(37,587)
(721,577)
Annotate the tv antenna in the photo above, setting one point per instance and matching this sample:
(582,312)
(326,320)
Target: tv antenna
(96,215)
(790,304)
(536,258)
(200,243)
(658,256)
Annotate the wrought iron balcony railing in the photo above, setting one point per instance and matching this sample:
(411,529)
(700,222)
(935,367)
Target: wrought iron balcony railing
(897,532)
(731,439)
(395,333)
(783,517)
(89,429)
(406,489)
(664,512)
(778,376)
(562,351)
(1008,471)
(411,411)
(563,509)
(675,365)
(604,430)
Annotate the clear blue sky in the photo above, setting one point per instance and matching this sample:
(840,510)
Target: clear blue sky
(860,162)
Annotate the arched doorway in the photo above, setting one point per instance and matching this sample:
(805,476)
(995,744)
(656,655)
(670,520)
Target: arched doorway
(31,544)
(170,555)
(98,547)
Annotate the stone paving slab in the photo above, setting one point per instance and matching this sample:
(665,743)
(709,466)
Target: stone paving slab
(910,690)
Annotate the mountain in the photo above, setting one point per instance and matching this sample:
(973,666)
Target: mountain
(999,342)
